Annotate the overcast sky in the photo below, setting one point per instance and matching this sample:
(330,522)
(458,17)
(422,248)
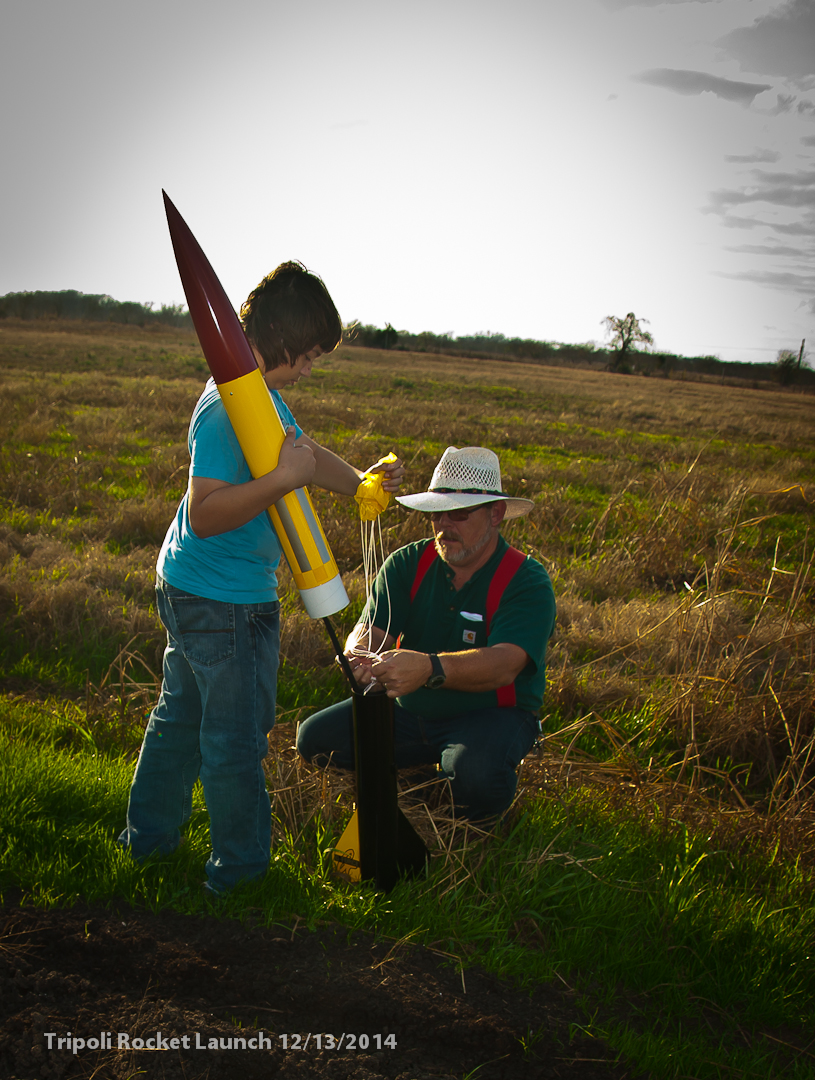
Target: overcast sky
(518,166)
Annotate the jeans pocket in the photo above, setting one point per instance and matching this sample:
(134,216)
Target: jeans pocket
(206,628)
(264,619)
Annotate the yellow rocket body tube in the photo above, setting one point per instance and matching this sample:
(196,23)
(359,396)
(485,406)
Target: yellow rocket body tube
(260,432)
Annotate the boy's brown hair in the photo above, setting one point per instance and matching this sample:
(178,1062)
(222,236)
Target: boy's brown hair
(290,313)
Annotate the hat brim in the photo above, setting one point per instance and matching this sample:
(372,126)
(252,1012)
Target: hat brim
(437,502)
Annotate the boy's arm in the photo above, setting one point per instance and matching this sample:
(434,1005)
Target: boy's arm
(334,474)
(216,506)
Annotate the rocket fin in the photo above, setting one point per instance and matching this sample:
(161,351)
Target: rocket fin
(411,851)
(347,862)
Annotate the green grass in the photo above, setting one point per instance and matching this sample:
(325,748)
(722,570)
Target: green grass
(676,947)
(309,691)
(88,654)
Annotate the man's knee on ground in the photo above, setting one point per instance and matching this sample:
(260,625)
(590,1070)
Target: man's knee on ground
(305,744)
(315,748)
(481,786)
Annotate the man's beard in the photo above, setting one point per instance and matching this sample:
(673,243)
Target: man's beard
(454,558)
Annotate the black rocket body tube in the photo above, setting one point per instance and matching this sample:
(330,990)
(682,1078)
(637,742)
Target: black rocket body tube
(379,844)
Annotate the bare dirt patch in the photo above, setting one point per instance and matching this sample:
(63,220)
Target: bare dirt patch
(88,971)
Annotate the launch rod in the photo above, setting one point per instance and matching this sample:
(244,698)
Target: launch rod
(340,654)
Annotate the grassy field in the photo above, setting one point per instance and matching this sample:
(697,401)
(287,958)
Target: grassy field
(675,518)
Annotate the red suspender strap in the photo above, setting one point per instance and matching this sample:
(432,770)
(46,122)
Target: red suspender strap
(425,562)
(507,568)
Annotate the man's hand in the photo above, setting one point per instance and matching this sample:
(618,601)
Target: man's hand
(402,671)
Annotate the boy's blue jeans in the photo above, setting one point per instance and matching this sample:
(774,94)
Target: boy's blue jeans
(478,752)
(217,705)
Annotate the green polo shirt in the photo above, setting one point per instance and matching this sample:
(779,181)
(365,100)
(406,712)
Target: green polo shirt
(443,619)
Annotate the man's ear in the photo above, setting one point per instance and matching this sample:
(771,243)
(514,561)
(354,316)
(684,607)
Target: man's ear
(497,512)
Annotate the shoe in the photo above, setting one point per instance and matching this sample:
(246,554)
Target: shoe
(211,893)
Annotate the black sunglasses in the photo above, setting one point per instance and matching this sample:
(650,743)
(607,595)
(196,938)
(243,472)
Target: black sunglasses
(457,515)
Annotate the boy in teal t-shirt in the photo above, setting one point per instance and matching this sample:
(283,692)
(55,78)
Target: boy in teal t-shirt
(216,594)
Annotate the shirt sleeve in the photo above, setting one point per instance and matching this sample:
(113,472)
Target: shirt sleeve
(214,448)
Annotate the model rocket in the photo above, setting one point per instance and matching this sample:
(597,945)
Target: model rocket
(254,418)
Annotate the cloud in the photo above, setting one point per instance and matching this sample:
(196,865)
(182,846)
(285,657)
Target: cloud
(699,82)
(780,43)
(805,227)
(768,249)
(790,194)
(737,222)
(796,228)
(754,158)
(782,195)
(784,104)
(802,178)
(790,190)
(785,280)
(808,140)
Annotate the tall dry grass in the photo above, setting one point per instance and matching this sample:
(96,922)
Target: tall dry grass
(674,517)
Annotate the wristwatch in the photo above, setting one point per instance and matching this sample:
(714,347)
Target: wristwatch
(437,677)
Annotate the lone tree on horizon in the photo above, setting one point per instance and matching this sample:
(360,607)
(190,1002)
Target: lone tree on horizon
(625,334)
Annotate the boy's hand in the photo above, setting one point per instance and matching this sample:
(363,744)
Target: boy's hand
(392,473)
(296,461)
(217,507)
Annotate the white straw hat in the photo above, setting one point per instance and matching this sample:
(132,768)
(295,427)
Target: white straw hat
(464,478)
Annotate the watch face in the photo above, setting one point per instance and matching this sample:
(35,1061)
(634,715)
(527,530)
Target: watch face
(434,682)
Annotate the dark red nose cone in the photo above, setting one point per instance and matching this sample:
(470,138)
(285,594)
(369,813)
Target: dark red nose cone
(223,341)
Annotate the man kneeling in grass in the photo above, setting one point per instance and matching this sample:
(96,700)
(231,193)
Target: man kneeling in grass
(470,618)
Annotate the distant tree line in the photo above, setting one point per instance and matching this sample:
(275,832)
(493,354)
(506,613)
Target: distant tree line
(625,360)
(94,307)
(621,355)
(487,344)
